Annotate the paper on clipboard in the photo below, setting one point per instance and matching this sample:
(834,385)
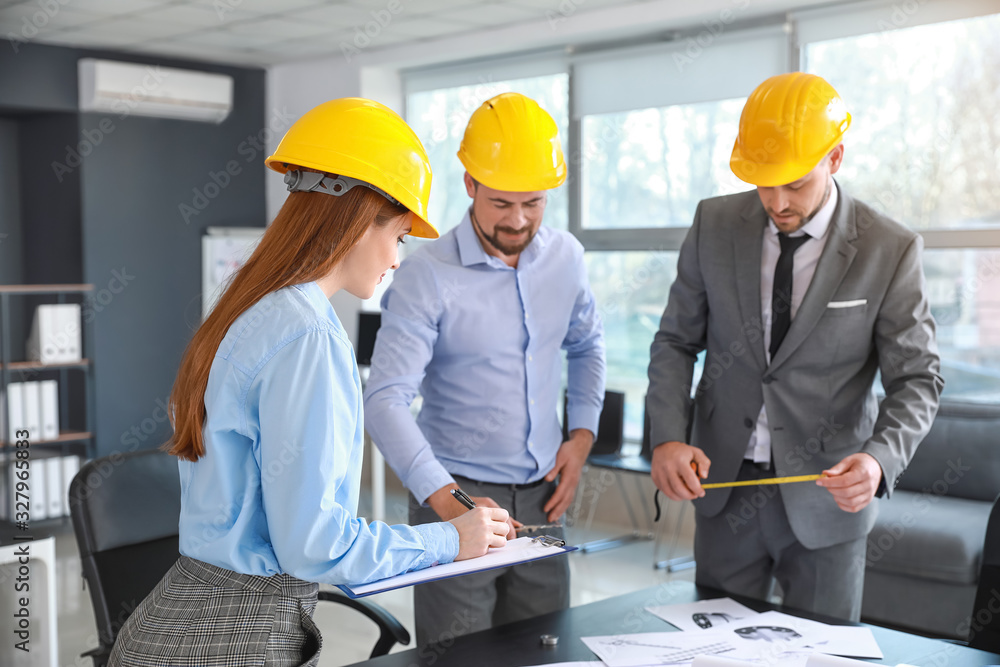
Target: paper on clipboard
(520,550)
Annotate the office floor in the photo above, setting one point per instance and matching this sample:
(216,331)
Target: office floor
(348,636)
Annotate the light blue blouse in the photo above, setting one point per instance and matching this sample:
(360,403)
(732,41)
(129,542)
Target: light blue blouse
(277,489)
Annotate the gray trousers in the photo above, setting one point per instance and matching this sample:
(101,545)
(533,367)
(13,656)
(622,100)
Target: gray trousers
(452,607)
(750,542)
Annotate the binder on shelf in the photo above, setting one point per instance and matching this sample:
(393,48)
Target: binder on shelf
(49,404)
(39,505)
(55,334)
(53,486)
(32,415)
(70,466)
(15,410)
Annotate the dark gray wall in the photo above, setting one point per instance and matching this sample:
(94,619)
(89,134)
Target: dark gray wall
(135,245)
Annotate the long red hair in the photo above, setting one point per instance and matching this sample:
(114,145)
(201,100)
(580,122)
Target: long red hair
(311,234)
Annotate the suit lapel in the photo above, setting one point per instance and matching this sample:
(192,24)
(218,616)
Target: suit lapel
(747,244)
(830,271)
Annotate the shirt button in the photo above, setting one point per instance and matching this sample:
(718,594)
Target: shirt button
(529,357)
(527,316)
(530,445)
(748,422)
(532,401)
(768,379)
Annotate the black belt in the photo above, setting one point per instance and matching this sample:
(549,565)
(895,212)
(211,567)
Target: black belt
(516,487)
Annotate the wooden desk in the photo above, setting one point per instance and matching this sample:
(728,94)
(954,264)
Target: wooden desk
(518,645)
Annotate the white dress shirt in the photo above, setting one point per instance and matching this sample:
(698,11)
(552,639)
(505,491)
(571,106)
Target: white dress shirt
(803,268)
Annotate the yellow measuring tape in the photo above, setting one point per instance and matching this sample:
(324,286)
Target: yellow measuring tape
(772,480)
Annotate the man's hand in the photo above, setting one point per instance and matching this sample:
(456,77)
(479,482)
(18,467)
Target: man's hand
(569,465)
(853,482)
(674,465)
(447,507)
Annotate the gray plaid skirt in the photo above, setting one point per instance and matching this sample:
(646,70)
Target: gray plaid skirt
(204,615)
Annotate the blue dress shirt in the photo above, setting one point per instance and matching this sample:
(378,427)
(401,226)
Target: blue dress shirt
(278,486)
(481,342)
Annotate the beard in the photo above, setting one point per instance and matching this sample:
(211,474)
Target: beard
(494,239)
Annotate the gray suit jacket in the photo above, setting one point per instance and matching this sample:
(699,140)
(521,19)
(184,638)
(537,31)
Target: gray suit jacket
(818,389)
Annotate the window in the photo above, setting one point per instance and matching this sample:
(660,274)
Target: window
(631,291)
(651,167)
(923,148)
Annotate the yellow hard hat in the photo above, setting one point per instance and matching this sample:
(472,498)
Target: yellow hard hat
(512,144)
(363,140)
(789,123)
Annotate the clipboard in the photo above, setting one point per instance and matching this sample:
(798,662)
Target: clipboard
(520,550)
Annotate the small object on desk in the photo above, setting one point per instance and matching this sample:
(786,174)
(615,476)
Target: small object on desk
(769,480)
(537,527)
(548,541)
(463,498)
(550,640)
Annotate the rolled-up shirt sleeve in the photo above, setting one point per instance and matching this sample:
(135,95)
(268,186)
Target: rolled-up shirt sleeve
(309,452)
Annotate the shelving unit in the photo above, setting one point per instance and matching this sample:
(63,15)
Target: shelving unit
(73,441)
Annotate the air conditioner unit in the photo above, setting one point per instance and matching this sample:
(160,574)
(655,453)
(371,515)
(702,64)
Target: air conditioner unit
(126,89)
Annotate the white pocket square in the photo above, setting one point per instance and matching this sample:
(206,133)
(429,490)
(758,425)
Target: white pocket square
(847,304)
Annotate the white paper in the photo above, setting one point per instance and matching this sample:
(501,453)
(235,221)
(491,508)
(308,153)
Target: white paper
(718,661)
(515,551)
(713,614)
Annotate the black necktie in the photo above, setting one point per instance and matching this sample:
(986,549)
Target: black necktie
(781,296)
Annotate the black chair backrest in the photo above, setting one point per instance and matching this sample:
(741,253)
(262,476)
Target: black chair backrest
(125,510)
(955,449)
(984,623)
(610,425)
(368,326)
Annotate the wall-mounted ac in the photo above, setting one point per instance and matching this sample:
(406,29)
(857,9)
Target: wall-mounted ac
(125,89)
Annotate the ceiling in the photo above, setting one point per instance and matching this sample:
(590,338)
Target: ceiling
(266,32)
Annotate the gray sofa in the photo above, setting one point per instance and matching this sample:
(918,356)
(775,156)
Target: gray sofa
(925,551)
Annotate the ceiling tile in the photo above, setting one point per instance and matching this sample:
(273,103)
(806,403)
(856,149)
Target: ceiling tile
(275,29)
(279,7)
(25,19)
(421,6)
(494,14)
(138,29)
(197,16)
(115,6)
(222,39)
(428,27)
(337,16)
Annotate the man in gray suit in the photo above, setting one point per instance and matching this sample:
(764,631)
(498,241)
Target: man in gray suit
(799,294)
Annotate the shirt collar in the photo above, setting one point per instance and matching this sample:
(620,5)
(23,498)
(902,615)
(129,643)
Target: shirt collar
(319,301)
(470,249)
(820,223)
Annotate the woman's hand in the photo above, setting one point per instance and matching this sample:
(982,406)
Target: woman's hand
(479,529)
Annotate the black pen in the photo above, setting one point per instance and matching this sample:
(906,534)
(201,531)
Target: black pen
(463,498)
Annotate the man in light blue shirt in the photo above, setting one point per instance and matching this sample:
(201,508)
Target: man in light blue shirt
(476,322)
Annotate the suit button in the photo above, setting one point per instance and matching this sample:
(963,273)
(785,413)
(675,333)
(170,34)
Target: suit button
(748,422)
(768,379)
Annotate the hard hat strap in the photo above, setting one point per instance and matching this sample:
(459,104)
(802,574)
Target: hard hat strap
(312,181)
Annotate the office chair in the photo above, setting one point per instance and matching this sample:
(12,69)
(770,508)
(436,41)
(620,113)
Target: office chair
(610,425)
(125,510)
(984,622)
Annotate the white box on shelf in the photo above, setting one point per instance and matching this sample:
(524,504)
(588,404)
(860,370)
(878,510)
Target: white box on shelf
(32,415)
(70,466)
(49,403)
(15,410)
(53,486)
(55,334)
(37,487)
